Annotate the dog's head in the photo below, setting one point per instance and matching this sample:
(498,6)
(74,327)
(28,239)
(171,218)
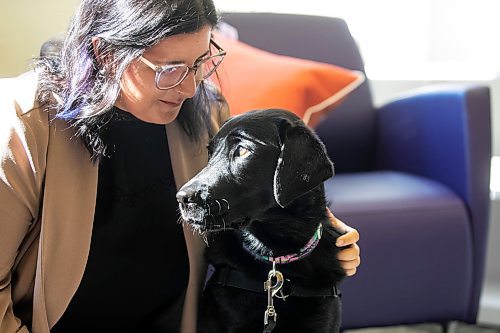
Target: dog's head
(257,160)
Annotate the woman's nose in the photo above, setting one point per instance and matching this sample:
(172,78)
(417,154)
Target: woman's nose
(188,86)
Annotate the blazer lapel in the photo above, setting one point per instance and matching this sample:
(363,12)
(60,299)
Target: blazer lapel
(187,159)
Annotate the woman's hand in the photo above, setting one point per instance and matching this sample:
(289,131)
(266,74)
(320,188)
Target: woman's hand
(349,257)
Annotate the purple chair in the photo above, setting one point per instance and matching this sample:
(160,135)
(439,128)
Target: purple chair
(411,176)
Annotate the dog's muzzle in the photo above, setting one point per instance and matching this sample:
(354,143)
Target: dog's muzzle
(201,211)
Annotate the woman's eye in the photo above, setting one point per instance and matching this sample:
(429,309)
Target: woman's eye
(241,151)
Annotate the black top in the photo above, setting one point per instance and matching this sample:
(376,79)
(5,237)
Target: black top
(137,270)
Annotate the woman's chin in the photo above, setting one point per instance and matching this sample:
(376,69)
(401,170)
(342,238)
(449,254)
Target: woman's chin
(161,114)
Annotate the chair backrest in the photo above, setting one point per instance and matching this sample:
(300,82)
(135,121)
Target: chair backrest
(349,131)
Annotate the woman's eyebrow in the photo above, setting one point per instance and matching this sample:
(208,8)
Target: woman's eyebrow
(177,62)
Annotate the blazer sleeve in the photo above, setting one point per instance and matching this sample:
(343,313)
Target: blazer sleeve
(23,145)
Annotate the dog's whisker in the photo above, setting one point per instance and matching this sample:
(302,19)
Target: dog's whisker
(220,207)
(227,203)
(180,219)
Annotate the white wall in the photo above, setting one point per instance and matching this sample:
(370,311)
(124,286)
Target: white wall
(489,311)
(25,25)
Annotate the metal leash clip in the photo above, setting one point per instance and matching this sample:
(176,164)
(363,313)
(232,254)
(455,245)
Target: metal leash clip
(272,289)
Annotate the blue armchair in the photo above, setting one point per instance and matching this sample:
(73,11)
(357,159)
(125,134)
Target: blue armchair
(411,176)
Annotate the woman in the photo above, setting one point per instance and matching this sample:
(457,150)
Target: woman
(94,144)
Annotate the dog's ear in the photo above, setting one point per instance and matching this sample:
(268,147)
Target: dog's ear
(303,163)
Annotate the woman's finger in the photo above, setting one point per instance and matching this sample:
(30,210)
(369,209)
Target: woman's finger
(350,253)
(349,238)
(350,272)
(351,264)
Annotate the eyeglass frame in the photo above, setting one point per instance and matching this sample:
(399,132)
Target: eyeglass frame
(159,69)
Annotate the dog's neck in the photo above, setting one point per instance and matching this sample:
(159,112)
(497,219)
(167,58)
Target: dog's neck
(260,251)
(286,240)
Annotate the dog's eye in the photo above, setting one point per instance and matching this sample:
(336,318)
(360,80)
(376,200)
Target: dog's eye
(241,151)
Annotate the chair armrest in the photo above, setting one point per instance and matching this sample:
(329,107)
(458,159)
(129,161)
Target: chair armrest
(444,133)
(441,132)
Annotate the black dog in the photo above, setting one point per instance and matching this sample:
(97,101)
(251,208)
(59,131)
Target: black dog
(261,200)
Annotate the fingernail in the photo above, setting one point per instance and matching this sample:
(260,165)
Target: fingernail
(339,242)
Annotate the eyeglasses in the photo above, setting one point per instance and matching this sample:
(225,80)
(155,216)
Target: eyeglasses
(170,76)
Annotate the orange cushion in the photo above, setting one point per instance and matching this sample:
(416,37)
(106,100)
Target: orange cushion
(251,78)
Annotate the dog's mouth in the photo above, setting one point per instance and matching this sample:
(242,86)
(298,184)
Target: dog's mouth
(207,217)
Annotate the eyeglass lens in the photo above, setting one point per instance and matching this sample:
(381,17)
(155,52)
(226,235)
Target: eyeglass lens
(172,76)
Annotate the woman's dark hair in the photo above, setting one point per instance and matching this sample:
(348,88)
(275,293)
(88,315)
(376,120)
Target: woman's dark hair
(83,89)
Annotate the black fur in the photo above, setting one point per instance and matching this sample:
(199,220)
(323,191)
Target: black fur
(265,176)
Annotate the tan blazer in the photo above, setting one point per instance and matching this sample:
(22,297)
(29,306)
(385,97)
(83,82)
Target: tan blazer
(47,200)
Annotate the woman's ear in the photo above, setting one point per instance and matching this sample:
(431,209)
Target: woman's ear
(102,57)
(95,47)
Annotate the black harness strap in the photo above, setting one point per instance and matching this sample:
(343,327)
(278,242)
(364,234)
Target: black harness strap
(226,276)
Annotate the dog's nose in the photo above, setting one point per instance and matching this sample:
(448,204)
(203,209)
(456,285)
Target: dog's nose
(189,196)
(182,197)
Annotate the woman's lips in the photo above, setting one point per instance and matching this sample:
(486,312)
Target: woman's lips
(173,104)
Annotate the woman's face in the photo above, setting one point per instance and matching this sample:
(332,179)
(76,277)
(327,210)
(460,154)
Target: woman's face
(138,92)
